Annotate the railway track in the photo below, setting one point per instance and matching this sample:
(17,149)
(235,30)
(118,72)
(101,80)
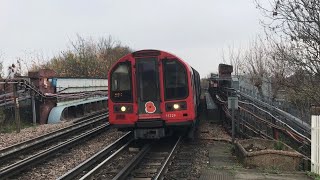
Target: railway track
(97,160)
(127,159)
(19,157)
(152,164)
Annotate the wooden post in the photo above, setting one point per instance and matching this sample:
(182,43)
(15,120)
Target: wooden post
(16,107)
(274,130)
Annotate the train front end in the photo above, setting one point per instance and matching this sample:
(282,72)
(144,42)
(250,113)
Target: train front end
(151,93)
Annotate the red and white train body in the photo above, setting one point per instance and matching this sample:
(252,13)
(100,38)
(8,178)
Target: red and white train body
(153,93)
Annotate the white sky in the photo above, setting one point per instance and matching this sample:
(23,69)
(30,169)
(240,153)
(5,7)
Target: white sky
(195,30)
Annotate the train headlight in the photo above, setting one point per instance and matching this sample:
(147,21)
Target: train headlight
(123,108)
(176,106)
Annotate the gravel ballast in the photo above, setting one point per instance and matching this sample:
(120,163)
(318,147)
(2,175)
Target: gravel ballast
(67,160)
(9,139)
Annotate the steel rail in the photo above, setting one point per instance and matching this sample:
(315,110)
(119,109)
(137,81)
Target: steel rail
(133,163)
(95,158)
(166,163)
(15,168)
(100,166)
(47,138)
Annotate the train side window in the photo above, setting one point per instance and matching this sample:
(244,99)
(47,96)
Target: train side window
(175,80)
(121,86)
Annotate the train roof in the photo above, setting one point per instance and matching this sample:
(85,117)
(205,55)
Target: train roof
(155,53)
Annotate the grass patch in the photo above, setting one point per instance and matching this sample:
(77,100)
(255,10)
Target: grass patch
(272,170)
(278,145)
(7,120)
(231,167)
(313,175)
(9,127)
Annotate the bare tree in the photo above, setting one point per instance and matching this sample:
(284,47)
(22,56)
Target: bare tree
(31,61)
(298,21)
(233,56)
(256,62)
(88,58)
(280,69)
(297,24)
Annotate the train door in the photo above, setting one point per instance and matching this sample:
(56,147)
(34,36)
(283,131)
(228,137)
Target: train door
(147,74)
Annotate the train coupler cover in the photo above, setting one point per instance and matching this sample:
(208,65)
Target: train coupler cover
(149,133)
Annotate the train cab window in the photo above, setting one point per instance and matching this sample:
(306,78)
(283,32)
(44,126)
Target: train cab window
(148,80)
(175,80)
(121,90)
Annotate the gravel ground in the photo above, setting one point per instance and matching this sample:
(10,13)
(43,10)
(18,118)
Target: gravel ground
(62,163)
(193,156)
(8,139)
(211,131)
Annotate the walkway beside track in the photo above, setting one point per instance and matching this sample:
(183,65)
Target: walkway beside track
(224,166)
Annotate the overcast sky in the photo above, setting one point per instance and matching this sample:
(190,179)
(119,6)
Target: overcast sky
(195,30)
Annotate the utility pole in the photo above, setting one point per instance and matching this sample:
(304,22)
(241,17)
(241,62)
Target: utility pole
(16,107)
(233,104)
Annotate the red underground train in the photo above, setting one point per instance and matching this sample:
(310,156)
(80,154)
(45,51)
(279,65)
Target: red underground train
(153,93)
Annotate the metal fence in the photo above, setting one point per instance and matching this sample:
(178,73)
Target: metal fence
(257,118)
(301,113)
